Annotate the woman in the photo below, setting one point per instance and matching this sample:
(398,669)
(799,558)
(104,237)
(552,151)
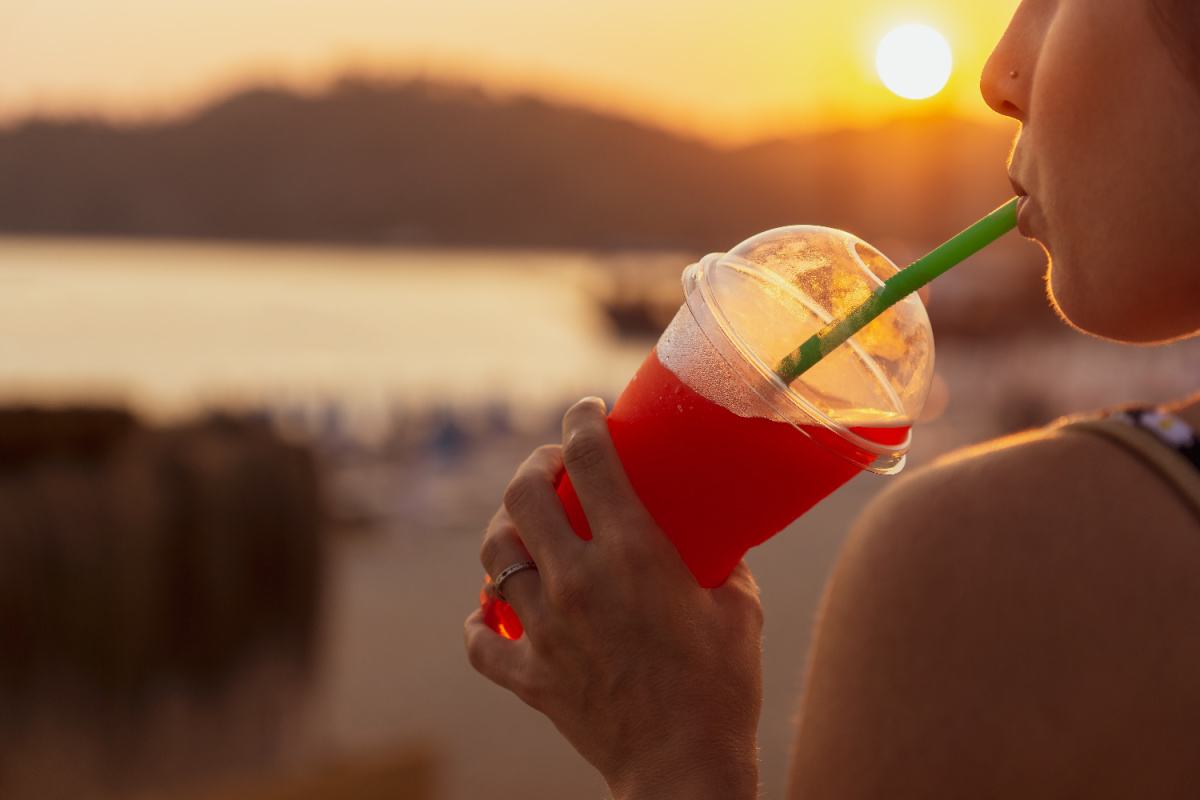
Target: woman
(1019,620)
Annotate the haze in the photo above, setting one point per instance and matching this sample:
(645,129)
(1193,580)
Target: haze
(728,72)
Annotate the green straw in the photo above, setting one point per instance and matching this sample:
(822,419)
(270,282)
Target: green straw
(897,287)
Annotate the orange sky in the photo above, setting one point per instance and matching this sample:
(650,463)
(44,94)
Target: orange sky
(729,71)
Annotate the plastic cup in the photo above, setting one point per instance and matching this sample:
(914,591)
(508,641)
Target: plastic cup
(723,453)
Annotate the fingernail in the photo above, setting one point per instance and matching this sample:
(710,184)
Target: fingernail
(598,401)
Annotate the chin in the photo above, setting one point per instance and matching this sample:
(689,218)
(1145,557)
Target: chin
(1123,314)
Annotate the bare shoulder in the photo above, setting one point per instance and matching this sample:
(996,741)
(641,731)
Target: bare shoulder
(1072,499)
(1017,620)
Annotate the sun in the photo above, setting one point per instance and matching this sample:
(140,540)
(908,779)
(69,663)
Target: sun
(914,61)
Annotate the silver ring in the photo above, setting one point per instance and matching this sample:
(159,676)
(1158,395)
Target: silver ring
(508,573)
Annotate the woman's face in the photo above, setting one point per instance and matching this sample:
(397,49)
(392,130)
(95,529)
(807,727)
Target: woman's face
(1108,159)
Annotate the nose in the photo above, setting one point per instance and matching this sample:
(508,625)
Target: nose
(1008,73)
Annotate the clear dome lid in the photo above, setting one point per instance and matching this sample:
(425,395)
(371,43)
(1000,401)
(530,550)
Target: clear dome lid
(760,301)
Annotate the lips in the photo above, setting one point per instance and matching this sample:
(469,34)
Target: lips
(1022,204)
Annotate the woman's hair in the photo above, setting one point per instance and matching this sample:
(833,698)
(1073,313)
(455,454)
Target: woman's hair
(1179,24)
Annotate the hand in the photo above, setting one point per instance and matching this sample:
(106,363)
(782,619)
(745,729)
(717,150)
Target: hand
(656,681)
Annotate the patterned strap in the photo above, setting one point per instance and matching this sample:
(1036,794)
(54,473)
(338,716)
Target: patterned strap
(1170,429)
(1143,433)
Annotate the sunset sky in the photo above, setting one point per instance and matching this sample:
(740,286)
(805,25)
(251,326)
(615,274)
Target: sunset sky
(728,71)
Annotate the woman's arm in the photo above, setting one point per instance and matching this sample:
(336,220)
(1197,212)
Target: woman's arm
(656,681)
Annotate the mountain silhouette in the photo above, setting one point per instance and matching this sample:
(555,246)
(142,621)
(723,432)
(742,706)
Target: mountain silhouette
(432,164)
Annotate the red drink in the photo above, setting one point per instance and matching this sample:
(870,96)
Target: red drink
(498,614)
(719,450)
(715,482)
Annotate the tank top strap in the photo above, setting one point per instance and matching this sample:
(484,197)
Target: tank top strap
(1162,441)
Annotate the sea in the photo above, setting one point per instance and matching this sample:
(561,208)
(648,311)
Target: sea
(175,327)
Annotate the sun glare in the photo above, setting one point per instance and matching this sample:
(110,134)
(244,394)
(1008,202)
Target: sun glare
(914,61)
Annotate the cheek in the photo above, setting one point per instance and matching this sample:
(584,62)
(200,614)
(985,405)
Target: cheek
(1115,154)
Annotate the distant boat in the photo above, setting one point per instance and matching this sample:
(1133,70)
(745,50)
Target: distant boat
(638,318)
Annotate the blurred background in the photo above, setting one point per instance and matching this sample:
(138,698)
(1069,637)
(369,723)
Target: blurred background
(288,290)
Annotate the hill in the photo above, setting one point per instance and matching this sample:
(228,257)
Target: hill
(424,163)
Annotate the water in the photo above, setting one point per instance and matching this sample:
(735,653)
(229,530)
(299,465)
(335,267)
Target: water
(172,326)
(175,327)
